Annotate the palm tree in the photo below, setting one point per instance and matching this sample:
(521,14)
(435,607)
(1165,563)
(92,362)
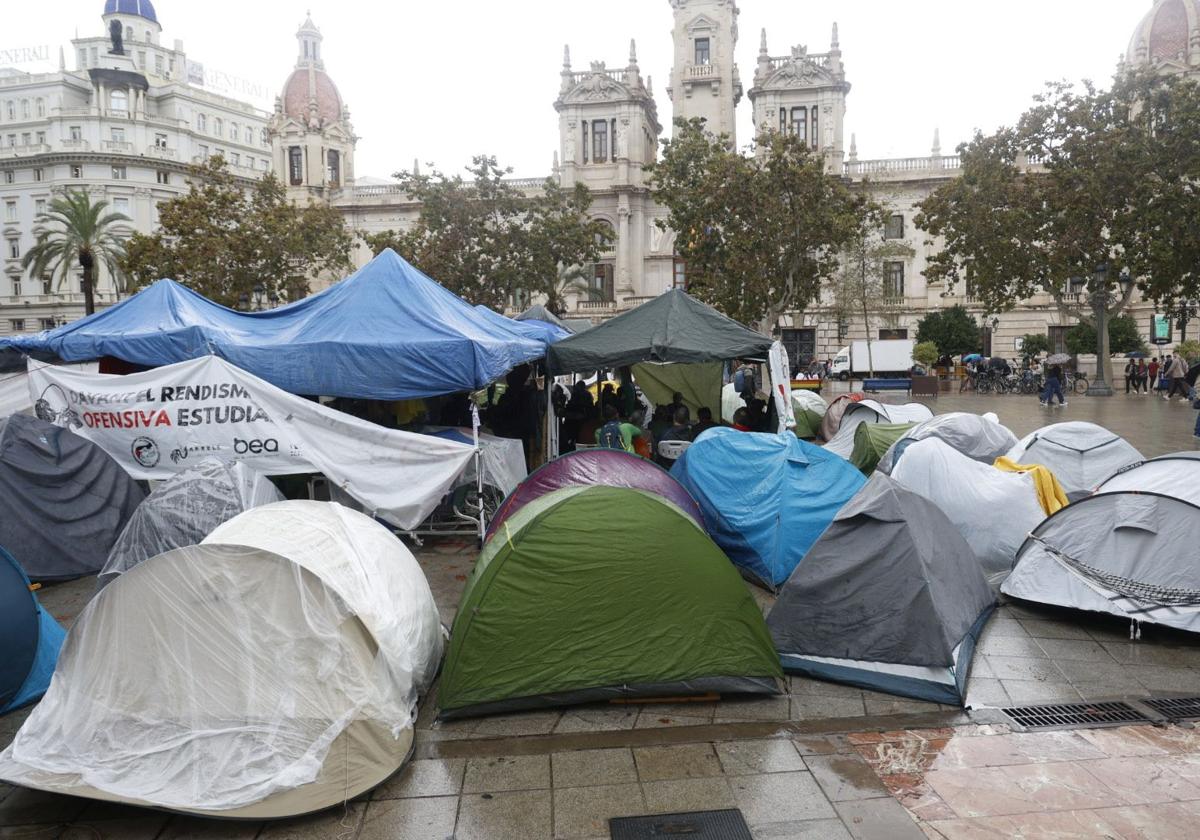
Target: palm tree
(83,236)
(572,280)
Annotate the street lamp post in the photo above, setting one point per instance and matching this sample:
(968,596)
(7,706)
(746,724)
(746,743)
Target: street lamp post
(1100,297)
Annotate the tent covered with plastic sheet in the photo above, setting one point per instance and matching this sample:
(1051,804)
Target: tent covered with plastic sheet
(29,639)
(993,510)
(1081,455)
(568,609)
(1177,476)
(873,440)
(979,437)
(765,498)
(605,467)
(1131,555)
(503,458)
(832,421)
(63,500)
(271,671)
(872,411)
(889,599)
(810,411)
(183,510)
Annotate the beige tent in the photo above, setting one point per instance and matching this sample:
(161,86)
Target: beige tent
(240,681)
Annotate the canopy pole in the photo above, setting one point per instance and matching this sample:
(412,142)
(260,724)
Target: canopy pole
(478,469)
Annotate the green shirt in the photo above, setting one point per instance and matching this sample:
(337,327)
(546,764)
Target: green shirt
(628,433)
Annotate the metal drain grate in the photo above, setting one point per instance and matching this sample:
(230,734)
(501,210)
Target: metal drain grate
(1175,708)
(1075,715)
(697,825)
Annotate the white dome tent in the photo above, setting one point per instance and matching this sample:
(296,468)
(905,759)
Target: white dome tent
(872,411)
(980,437)
(1081,455)
(1175,475)
(271,671)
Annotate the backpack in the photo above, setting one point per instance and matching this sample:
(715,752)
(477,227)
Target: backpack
(610,436)
(739,380)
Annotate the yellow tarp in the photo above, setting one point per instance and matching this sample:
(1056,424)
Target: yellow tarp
(1050,493)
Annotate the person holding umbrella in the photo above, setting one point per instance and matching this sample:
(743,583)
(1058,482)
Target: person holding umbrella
(1054,380)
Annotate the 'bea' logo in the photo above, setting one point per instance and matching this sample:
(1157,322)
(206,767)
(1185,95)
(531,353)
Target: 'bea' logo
(255,447)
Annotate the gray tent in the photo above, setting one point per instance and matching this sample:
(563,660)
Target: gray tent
(1081,455)
(185,509)
(1128,554)
(63,500)
(1176,475)
(979,437)
(891,598)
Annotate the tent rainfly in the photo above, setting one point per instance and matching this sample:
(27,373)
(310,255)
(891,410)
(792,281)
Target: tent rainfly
(1081,455)
(810,411)
(979,437)
(1128,554)
(1175,475)
(765,498)
(185,509)
(63,500)
(30,639)
(872,411)
(271,671)
(606,467)
(832,421)
(567,609)
(872,440)
(889,599)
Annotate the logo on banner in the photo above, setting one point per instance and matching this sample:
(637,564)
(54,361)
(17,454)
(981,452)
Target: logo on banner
(54,407)
(182,453)
(145,452)
(255,447)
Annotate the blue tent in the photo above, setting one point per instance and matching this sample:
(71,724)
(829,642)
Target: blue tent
(766,498)
(30,639)
(386,332)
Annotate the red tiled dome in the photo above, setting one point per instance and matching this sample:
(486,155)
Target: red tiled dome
(1165,31)
(296,94)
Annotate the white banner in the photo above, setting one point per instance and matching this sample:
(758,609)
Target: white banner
(14,389)
(781,387)
(158,423)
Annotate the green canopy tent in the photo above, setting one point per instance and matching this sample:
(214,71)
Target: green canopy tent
(673,343)
(872,440)
(562,608)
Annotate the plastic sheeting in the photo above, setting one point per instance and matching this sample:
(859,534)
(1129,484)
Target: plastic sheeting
(607,467)
(889,599)
(1081,455)
(63,501)
(871,411)
(765,498)
(30,639)
(979,437)
(183,510)
(387,332)
(994,510)
(1177,476)
(272,670)
(1131,555)
(503,459)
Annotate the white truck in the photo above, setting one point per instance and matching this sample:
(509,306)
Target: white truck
(887,359)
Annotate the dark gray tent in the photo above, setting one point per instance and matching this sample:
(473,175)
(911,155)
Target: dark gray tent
(63,500)
(1128,554)
(672,328)
(891,598)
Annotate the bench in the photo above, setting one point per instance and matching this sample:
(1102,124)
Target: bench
(813,385)
(874,385)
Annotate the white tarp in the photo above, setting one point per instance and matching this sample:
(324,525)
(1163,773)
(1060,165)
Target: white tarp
(503,459)
(14,389)
(1081,455)
(159,422)
(994,510)
(781,386)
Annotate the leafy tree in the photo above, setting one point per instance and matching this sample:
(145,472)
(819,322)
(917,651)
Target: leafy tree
(486,239)
(761,236)
(224,238)
(926,354)
(1034,345)
(74,231)
(953,330)
(861,285)
(1114,186)
(1123,337)
(1190,350)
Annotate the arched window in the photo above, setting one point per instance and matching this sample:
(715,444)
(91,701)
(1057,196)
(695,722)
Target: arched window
(218,127)
(233,132)
(10,109)
(607,240)
(202,122)
(129,34)
(249,136)
(263,136)
(25,109)
(41,107)
(118,100)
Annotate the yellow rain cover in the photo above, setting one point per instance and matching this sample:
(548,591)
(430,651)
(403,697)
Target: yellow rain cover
(1050,493)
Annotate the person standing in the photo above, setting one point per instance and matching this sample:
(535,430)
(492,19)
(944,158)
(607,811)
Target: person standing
(1152,369)
(1130,376)
(1054,387)
(1178,374)
(1141,384)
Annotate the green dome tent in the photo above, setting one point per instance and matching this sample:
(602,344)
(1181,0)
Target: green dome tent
(873,440)
(564,608)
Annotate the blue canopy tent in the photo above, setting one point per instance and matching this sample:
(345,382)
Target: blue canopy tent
(386,332)
(766,498)
(30,639)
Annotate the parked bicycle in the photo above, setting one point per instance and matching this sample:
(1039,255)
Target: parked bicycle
(1077,382)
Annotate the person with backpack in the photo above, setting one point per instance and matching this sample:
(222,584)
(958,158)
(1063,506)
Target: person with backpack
(616,434)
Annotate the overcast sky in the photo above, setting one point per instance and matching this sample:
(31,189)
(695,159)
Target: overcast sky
(441,81)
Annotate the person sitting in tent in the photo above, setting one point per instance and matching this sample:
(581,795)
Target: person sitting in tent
(704,422)
(741,420)
(616,433)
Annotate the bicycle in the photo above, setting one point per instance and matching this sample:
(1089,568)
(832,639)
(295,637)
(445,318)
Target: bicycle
(1077,382)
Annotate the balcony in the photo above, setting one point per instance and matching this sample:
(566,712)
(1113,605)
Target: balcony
(76,145)
(162,153)
(700,72)
(28,149)
(119,146)
(593,306)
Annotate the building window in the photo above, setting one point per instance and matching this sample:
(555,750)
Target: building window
(249,136)
(17,289)
(118,173)
(25,137)
(10,108)
(76,132)
(163,177)
(160,141)
(40,138)
(39,207)
(893,335)
(218,127)
(235,158)
(202,122)
(233,131)
(37,174)
(679,273)
(24,109)
(128,34)
(894,227)
(17,324)
(296,165)
(83,62)
(118,101)
(703,51)
(47,323)
(12,141)
(800,123)
(10,211)
(47,285)
(600,141)
(585,141)
(249,161)
(41,107)
(602,282)
(203,150)
(334,173)
(95,56)
(9,176)
(118,135)
(893,279)
(142,60)
(816,137)
(14,249)
(158,65)
(76,170)
(1058,339)
(264,138)
(121,205)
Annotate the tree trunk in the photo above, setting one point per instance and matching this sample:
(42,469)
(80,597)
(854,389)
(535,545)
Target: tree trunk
(866,326)
(1103,360)
(88,264)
